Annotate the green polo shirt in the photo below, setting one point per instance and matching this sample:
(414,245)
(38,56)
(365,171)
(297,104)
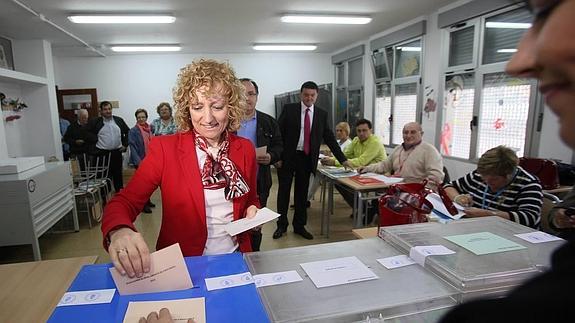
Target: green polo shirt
(359,153)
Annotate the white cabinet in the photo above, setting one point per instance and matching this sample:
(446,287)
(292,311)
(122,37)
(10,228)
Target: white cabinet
(31,202)
(37,132)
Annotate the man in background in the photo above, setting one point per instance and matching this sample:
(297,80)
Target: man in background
(365,149)
(263,131)
(303,126)
(78,137)
(112,134)
(414,160)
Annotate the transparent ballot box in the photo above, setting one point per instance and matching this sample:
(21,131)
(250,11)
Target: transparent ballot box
(406,294)
(490,274)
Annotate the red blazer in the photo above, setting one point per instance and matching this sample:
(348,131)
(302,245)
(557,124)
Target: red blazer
(172,164)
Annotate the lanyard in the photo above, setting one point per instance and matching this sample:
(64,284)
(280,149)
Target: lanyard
(497,194)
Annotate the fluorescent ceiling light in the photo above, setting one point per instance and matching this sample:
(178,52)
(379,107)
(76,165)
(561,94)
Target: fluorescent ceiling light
(508,25)
(507,50)
(122,19)
(145,48)
(325,19)
(284,47)
(409,49)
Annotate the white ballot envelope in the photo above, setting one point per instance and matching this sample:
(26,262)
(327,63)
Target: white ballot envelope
(168,272)
(261,151)
(181,310)
(262,216)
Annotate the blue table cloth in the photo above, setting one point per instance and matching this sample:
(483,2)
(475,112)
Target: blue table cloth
(236,304)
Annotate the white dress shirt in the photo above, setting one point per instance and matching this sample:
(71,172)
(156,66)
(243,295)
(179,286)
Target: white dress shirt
(110,136)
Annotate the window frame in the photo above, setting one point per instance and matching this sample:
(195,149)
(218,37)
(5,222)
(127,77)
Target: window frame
(346,87)
(393,82)
(535,113)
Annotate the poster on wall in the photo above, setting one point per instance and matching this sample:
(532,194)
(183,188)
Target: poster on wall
(6,58)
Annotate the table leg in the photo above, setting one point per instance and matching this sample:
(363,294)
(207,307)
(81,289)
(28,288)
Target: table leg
(330,206)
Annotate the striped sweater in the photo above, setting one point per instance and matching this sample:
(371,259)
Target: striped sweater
(522,198)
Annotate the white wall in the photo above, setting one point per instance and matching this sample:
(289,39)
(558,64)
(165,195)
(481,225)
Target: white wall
(143,81)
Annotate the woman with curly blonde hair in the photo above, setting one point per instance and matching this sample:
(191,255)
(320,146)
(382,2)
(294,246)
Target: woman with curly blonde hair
(207,175)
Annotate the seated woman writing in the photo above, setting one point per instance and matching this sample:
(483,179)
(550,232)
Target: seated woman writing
(499,187)
(207,175)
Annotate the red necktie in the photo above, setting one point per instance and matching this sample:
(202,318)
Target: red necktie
(306,132)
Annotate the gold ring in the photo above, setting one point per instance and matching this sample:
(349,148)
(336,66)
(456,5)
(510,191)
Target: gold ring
(123,250)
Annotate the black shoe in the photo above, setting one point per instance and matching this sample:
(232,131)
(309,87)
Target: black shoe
(303,232)
(150,204)
(278,233)
(307,205)
(147,209)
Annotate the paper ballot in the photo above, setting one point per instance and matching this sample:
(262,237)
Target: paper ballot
(168,272)
(181,310)
(262,216)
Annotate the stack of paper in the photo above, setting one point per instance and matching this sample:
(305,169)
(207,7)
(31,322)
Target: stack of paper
(440,209)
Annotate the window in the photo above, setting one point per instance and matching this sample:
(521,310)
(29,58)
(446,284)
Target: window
(461,46)
(458,94)
(405,101)
(504,111)
(380,67)
(482,106)
(349,92)
(407,57)
(502,34)
(397,99)
(382,111)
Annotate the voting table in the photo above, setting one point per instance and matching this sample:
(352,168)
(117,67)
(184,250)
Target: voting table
(236,304)
(361,192)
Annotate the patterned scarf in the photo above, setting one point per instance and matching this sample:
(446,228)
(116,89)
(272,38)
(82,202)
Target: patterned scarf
(221,171)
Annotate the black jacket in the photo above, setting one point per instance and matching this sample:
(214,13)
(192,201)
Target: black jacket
(290,125)
(75,132)
(267,134)
(95,124)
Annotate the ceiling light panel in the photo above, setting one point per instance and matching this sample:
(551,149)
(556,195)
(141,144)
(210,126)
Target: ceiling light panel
(145,48)
(122,19)
(325,19)
(285,47)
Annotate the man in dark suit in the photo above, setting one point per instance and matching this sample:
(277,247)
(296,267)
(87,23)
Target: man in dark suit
(112,134)
(303,127)
(263,131)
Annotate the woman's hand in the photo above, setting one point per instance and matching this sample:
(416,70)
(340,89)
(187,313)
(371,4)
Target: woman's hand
(129,252)
(464,200)
(164,317)
(251,213)
(562,220)
(360,169)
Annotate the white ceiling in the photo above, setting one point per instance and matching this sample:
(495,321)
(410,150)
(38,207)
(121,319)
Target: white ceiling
(205,26)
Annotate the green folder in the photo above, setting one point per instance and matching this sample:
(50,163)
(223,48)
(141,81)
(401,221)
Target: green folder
(483,243)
